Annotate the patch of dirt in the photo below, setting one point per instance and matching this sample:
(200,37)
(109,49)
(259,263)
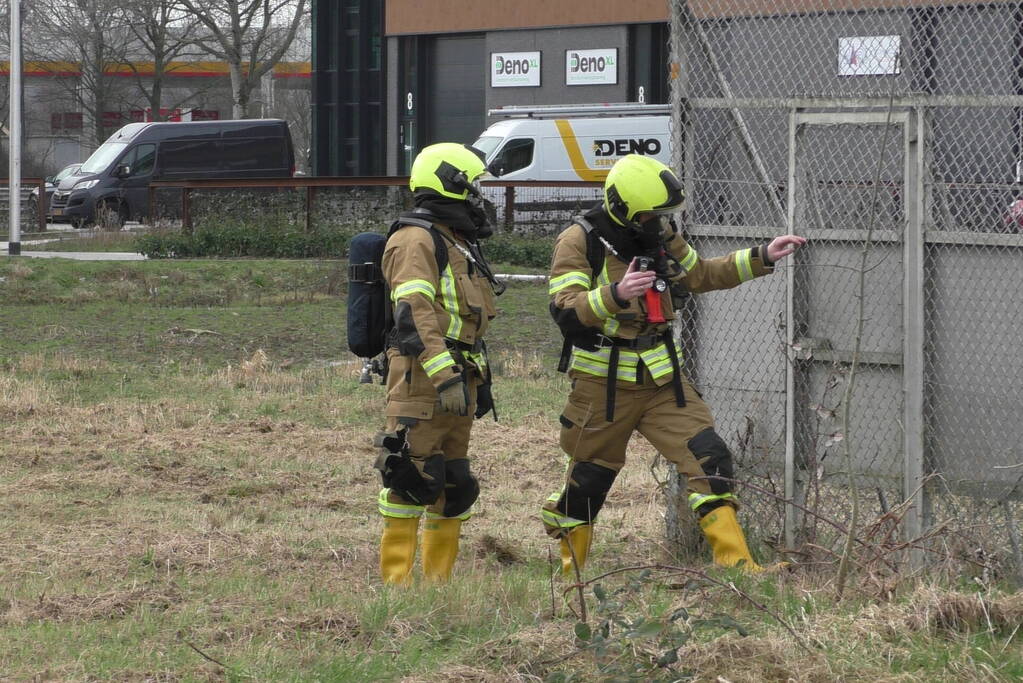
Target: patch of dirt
(112,605)
(500,549)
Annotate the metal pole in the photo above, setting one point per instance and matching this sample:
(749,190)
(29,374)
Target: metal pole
(14,166)
(791,481)
(913,324)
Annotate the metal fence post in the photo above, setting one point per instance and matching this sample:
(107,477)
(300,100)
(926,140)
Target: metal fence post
(509,208)
(913,326)
(310,196)
(186,209)
(791,512)
(41,205)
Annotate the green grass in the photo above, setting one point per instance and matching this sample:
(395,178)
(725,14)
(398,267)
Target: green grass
(92,241)
(186,461)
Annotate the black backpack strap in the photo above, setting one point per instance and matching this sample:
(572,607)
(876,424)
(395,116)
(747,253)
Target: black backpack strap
(676,381)
(595,251)
(440,247)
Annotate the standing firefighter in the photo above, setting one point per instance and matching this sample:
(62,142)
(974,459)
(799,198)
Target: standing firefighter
(611,279)
(438,379)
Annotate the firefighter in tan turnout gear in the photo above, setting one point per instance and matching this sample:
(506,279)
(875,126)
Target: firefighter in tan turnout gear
(611,279)
(438,380)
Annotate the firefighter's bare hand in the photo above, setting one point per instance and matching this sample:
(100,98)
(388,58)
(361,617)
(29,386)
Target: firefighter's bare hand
(635,281)
(453,396)
(782,246)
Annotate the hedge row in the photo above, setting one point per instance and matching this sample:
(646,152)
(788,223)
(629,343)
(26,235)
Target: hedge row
(280,240)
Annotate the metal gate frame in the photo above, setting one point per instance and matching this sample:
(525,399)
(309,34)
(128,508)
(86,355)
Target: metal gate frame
(916,198)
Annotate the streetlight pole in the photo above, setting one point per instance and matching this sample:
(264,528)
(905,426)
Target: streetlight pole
(14,169)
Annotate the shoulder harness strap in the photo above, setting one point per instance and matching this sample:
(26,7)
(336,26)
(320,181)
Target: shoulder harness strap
(595,251)
(440,247)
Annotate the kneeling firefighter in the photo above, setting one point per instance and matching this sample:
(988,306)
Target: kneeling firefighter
(613,273)
(438,380)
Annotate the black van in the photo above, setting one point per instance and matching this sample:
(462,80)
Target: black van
(113,184)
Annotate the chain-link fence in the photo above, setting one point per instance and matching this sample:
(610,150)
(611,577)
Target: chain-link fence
(888,134)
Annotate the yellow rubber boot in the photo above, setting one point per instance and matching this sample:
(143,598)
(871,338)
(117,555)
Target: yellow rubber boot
(577,540)
(721,527)
(440,548)
(398,549)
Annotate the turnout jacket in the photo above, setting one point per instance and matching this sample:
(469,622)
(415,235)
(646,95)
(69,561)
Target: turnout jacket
(576,290)
(439,317)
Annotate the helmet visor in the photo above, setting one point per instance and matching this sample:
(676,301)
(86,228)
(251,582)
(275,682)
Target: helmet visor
(675,194)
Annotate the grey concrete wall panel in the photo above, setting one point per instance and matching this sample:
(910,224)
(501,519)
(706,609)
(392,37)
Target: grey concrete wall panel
(974,368)
(456,94)
(394,105)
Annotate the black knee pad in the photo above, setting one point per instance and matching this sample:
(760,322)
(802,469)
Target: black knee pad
(461,489)
(715,459)
(586,491)
(420,484)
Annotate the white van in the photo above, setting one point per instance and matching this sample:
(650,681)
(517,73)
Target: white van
(572,142)
(565,143)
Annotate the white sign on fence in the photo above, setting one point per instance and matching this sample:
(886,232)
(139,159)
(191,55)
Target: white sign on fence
(514,69)
(869,55)
(591,67)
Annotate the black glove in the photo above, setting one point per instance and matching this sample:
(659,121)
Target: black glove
(453,396)
(484,401)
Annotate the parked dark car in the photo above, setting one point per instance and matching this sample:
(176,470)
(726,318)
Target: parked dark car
(50,186)
(112,186)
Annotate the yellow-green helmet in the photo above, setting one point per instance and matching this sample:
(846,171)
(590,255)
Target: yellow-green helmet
(640,184)
(448,169)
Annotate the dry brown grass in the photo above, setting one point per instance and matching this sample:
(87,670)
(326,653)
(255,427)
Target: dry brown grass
(255,537)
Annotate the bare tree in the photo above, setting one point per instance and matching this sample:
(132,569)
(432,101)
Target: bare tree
(161,34)
(91,34)
(251,36)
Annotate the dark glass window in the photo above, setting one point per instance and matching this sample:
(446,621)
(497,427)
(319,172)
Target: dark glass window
(243,154)
(180,156)
(142,164)
(515,155)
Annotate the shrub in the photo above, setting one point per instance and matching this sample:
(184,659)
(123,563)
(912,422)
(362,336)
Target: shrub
(270,239)
(280,237)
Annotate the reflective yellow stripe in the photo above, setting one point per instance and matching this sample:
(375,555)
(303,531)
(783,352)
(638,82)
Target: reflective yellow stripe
(597,363)
(690,259)
(414,287)
(567,280)
(559,521)
(744,265)
(449,299)
(399,510)
(698,499)
(433,515)
(480,359)
(437,363)
(597,304)
(611,324)
(626,359)
(657,361)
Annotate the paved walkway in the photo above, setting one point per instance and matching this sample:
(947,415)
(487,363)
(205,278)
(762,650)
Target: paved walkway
(76,255)
(81,255)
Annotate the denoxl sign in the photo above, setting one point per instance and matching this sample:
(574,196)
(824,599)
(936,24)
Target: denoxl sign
(514,69)
(591,67)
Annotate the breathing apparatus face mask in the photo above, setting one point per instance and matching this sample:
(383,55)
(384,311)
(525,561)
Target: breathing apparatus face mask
(477,209)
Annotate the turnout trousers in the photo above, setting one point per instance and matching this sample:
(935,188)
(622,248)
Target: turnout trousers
(651,410)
